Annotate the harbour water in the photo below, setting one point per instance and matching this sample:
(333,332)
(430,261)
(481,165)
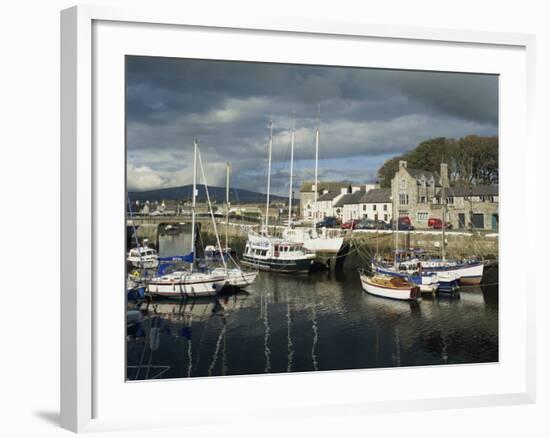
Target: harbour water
(316,322)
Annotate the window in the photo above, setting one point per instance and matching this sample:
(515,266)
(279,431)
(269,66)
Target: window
(422,200)
(450,200)
(364,207)
(385,218)
(385,208)
(403,199)
(374,207)
(403,184)
(422,215)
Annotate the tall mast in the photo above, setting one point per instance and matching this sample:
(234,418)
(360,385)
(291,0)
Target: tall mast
(193,202)
(268,174)
(291,171)
(396,224)
(211,211)
(227,205)
(443,214)
(316,167)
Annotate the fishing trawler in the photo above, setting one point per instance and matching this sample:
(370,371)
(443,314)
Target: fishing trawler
(270,253)
(274,254)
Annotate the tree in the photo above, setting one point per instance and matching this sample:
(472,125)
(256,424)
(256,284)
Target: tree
(387,171)
(471,160)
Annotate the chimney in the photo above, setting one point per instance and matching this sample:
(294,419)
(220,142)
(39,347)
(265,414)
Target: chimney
(402,164)
(444,172)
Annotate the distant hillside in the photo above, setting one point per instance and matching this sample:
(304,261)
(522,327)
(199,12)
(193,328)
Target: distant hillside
(217,194)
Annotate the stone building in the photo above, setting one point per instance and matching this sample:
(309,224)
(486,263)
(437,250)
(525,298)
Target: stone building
(475,207)
(418,194)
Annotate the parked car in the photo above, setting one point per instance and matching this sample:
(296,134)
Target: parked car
(371,224)
(327,222)
(350,225)
(437,223)
(401,226)
(405,220)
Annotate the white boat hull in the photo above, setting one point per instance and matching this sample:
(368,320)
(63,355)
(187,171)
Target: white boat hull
(313,240)
(144,264)
(406,294)
(237,277)
(330,244)
(466,274)
(187,285)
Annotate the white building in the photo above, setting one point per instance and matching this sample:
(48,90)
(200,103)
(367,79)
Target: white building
(376,204)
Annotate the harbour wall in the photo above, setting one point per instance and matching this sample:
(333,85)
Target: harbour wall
(361,245)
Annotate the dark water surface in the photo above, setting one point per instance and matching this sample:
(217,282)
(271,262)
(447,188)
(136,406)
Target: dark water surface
(321,321)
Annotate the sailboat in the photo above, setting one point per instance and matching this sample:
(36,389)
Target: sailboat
(310,237)
(184,283)
(235,277)
(390,283)
(271,253)
(406,268)
(210,251)
(451,272)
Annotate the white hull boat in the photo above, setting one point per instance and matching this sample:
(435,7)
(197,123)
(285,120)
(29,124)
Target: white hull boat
(143,257)
(312,240)
(390,287)
(236,277)
(187,284)
(467,273)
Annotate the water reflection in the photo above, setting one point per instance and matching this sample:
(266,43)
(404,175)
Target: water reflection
(312,322)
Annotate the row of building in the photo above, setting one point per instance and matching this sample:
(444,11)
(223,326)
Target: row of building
(419,195)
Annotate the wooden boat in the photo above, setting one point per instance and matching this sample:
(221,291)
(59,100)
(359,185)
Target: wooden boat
(389,286)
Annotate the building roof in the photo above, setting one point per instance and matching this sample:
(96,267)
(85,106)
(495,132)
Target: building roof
(376,196)
(328,196)
(427,175)
(488,190)
(350,198)
(331,186)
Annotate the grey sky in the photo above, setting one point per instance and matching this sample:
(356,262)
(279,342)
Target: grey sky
(367,116)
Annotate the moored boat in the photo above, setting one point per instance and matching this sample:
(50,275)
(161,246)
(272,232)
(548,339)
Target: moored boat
(274,254)
(187,284)
(390,286)
(143,257)
(467,273)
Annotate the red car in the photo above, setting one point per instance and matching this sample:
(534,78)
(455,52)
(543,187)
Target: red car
(437,223)
(350,225)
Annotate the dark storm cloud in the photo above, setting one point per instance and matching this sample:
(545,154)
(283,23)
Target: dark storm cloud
(227,105)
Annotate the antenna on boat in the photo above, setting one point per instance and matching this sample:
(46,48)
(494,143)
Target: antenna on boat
(268,174)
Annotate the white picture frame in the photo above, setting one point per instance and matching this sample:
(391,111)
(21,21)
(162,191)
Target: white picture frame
(83,369)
